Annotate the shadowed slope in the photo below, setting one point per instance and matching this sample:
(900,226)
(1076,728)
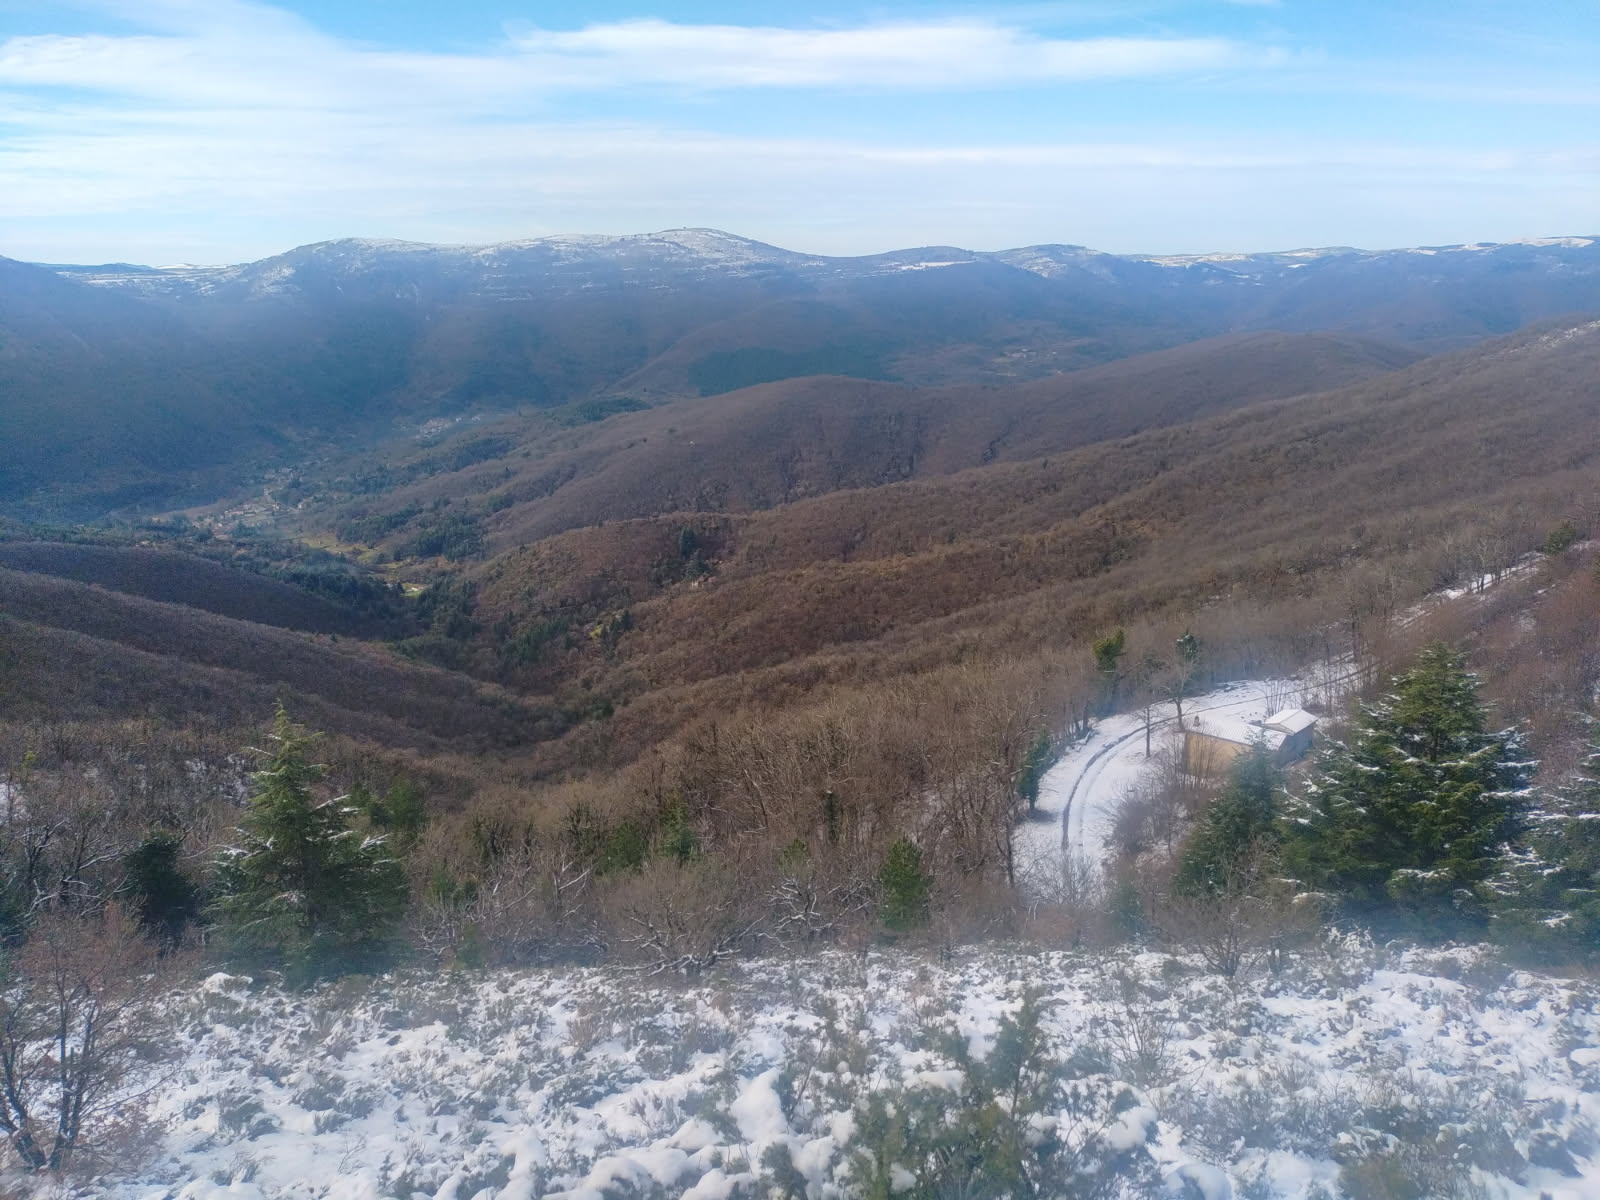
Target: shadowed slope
(778,443)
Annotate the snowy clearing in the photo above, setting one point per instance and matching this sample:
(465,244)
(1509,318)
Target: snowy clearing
(593,1083)
(1078,796)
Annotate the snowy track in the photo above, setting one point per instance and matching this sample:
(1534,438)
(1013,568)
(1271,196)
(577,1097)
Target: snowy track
(1078,796)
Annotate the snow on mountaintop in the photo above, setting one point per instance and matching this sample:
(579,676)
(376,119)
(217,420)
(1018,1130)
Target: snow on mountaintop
(708,244)
(717,249)
(1558,337)
(589,1083)
(1570,242)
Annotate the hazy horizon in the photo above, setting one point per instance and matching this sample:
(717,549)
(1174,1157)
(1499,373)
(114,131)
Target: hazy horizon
(356,237)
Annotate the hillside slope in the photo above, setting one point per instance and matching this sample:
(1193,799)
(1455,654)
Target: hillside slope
(166,575)
(70,651)
(1421,473)
(777,443)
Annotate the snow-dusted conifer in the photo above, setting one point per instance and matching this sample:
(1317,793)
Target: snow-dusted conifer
(1241,822)
(1549,904)
(1416,808)
(302,889)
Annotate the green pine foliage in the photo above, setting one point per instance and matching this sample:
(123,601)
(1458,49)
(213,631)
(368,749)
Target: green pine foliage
(1241,822)
(165,900)
(1411,815)
(401,811)
(1549,907)
(1040,755)
(1561,539)
(1108,652)
(304,890)
(1026,1120)
(905,887)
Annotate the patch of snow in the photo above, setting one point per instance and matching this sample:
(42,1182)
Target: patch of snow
(1199,1181)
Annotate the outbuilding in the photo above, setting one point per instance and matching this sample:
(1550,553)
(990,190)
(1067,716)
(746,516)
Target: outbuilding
(1212,741)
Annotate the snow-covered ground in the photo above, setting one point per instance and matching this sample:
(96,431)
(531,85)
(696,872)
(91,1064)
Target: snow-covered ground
(594,1083)
(1078,796)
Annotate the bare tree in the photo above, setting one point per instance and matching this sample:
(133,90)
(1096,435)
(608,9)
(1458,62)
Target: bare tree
(684,919)
(1150,695)
(1252,918)
(74,1028)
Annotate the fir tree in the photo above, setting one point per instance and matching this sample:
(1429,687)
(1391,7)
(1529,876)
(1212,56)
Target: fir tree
(1036,761)
(1241,821)
(165,900)
(1550,897)
(1108,652)
(905,887)
(303,890)
(1414,810)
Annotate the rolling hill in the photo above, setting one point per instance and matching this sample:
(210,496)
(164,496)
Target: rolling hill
(1257,522)
(777,443)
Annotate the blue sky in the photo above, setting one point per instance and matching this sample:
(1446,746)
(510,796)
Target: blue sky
(220,130)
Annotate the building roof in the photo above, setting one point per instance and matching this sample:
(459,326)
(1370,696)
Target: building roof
(1274,731)
(1230,728)
(1291,720)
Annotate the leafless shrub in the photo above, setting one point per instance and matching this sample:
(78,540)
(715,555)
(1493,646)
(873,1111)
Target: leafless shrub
(1155,811)
(1251,918)
(683,918)
(77,1039)
(1135,1034)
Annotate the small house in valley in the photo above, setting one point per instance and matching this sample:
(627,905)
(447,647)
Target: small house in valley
(1212,741)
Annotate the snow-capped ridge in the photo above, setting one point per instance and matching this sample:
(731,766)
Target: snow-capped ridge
(560,263)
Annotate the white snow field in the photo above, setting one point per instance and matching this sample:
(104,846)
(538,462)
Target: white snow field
(594,1083)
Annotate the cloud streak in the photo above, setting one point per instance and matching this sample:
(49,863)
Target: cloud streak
(247,54)
(943,54)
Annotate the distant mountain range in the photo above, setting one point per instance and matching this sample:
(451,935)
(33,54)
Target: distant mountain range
(125,385)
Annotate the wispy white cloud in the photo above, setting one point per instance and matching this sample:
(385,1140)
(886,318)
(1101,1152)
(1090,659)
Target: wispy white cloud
(941,54)
(229,50)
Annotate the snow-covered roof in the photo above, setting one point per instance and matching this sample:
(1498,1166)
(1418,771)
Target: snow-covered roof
(1291,720)
(1232,728)
(1274,730)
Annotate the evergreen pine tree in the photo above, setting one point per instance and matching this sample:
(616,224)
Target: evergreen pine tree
(1240,821)
(1036,761)
(905,887)
(1414,809)
(165,900)
(303,890)
(1550,901)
